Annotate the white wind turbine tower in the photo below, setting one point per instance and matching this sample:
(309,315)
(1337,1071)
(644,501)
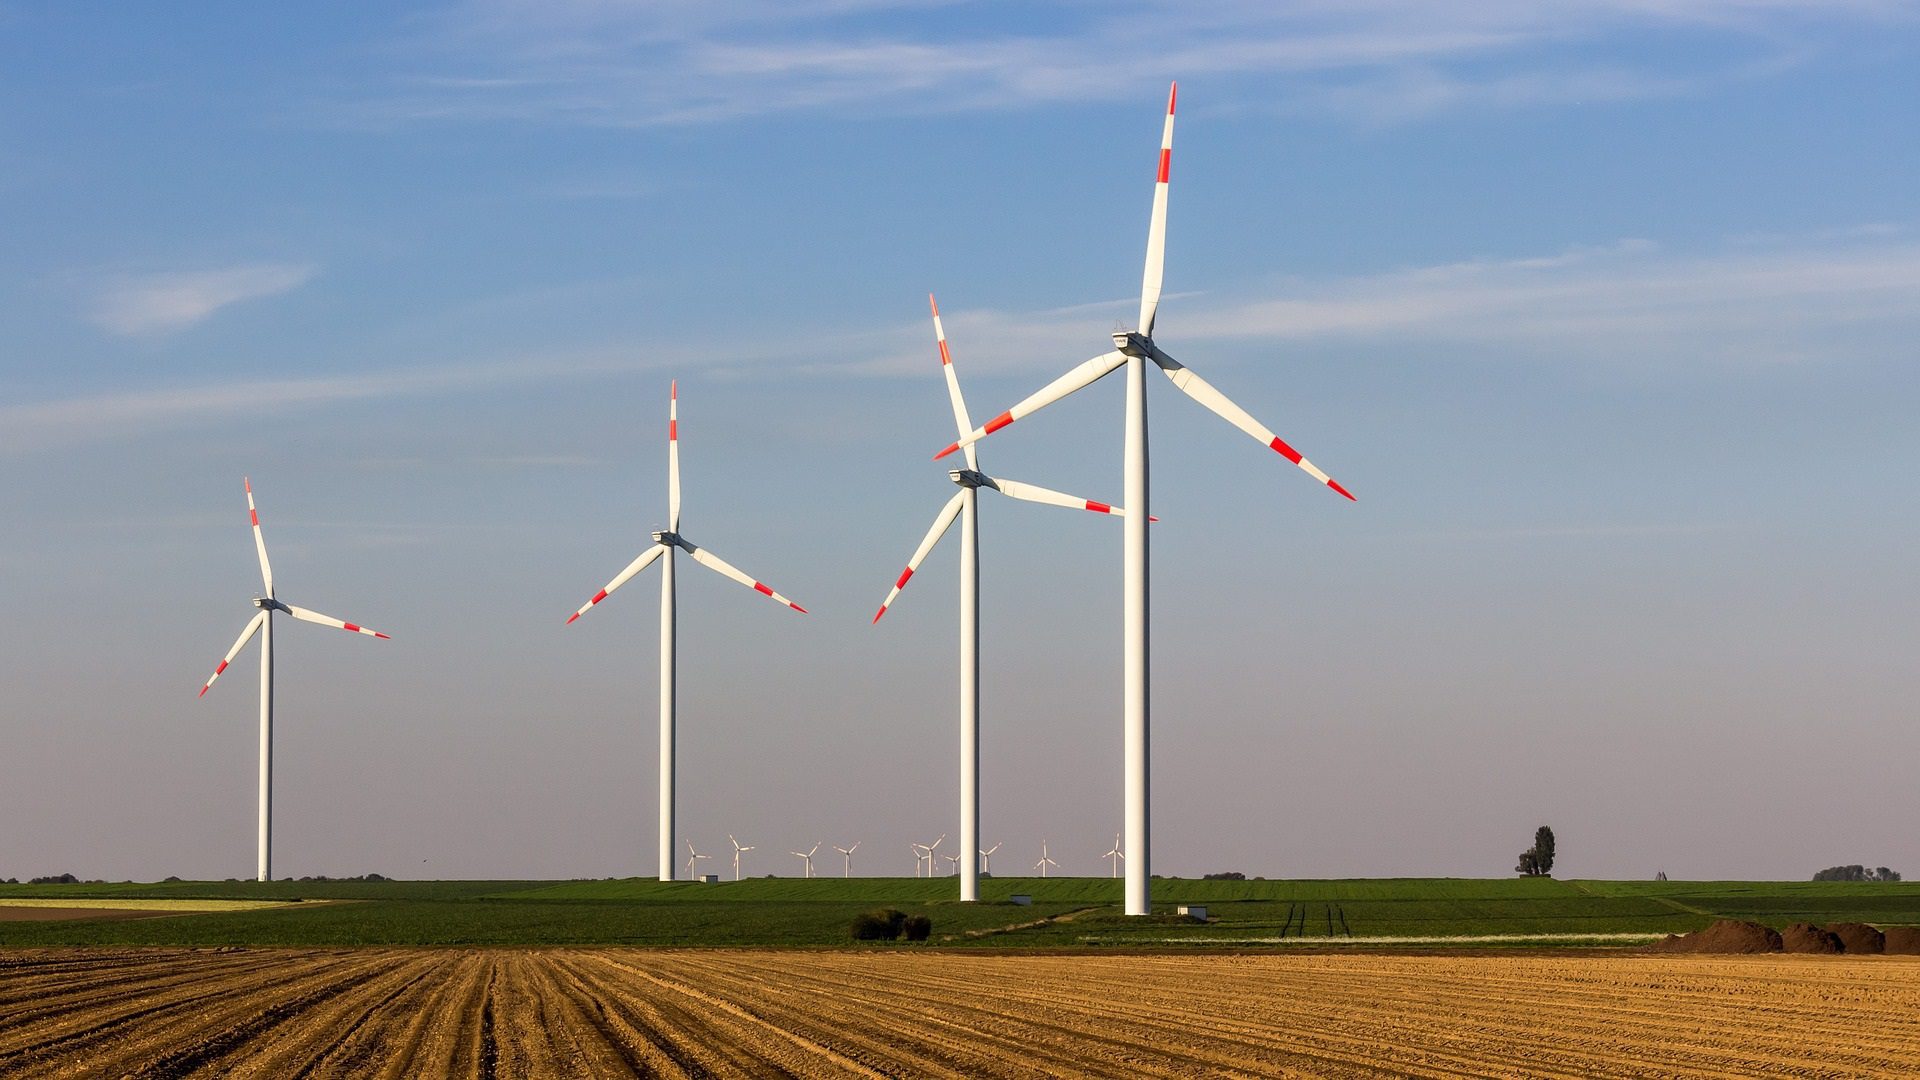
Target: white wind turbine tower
(986,859)
(692,857)
(1134,350)
(962,506)
(931,849)
(263,625)
(920,856)
(953,864)
(1044,862)
(737,851)
(807,856)
(665,543)
(1116,855)
(848,852)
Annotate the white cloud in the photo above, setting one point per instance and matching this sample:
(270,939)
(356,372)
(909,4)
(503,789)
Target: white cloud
(600,62)
(163,303)
(1842,295)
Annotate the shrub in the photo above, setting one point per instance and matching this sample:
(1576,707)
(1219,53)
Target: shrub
(883,924)
(56,879)
(918,927)
(1225,875)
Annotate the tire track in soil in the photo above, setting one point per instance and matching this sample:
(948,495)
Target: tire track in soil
(229,1033)
(617,1046)
(84,1032)
(776,1042)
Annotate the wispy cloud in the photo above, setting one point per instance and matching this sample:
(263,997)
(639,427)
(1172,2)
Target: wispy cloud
(597,62)
(166,302)
(1843,295)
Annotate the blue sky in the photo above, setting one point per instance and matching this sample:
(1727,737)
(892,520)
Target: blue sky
(1606,313)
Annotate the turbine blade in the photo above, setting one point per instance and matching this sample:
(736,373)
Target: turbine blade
(1157,228)
(1035,493)
(673,459)
(961,421)
(941,524)
(646,558)
(1203,392)
(719,565)
(327,620)
(259,541)
(1084,375)
(246,635)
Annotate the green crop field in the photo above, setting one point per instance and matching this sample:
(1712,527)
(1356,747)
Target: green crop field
(1065,913)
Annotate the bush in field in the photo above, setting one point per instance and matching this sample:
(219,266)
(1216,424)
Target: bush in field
(56,879)
(884,924)
(1225,875)
(918,927)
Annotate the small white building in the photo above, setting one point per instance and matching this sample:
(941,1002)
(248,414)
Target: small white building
(710,879)
(1193,911)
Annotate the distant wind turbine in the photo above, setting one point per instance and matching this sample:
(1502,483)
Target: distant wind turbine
(737,851)
(962,506)
(1044,862)
(848,852)
(986,860)
(666,542)
(1134,350)
(920,855)
(263,625)
(1116,855)
(807,856)
(692,857)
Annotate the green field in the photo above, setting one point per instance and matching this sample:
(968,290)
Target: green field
(796,912)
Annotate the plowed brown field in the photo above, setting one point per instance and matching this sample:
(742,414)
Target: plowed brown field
(607,1012)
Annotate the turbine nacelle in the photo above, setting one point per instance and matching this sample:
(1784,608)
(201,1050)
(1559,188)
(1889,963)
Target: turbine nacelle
(670,539)
(1133,343)
(971,478)
(268,603)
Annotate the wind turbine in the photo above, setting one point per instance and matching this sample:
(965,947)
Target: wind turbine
(808,857)
(263,625)
(931,848)
(953,864)
(920,856)
(986,859)
(1116,855)
(962,506)
(1044,862)
(664,543)
(1134,349)
(692,857)
(848,852)
(737,850)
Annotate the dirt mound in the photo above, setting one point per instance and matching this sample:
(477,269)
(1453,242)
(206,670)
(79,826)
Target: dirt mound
(1858,937)
(1808,938)
(1725,936)
(1903,940)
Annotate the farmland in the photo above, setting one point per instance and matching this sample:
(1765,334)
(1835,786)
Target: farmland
(795,912)
(615,1012)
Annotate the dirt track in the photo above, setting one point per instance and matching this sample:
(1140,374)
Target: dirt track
(553,1013)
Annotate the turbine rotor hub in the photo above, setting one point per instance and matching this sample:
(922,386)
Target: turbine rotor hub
(1133,343)
(969,478)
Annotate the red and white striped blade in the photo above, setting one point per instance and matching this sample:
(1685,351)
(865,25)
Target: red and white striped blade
(1157,228)
(305,615)
(715,563)
(1084,375)
(246,635)
(962,423)
(259,541)
(673,459)
(941,524)
(1203,392)
(646,559)
(1035,493)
